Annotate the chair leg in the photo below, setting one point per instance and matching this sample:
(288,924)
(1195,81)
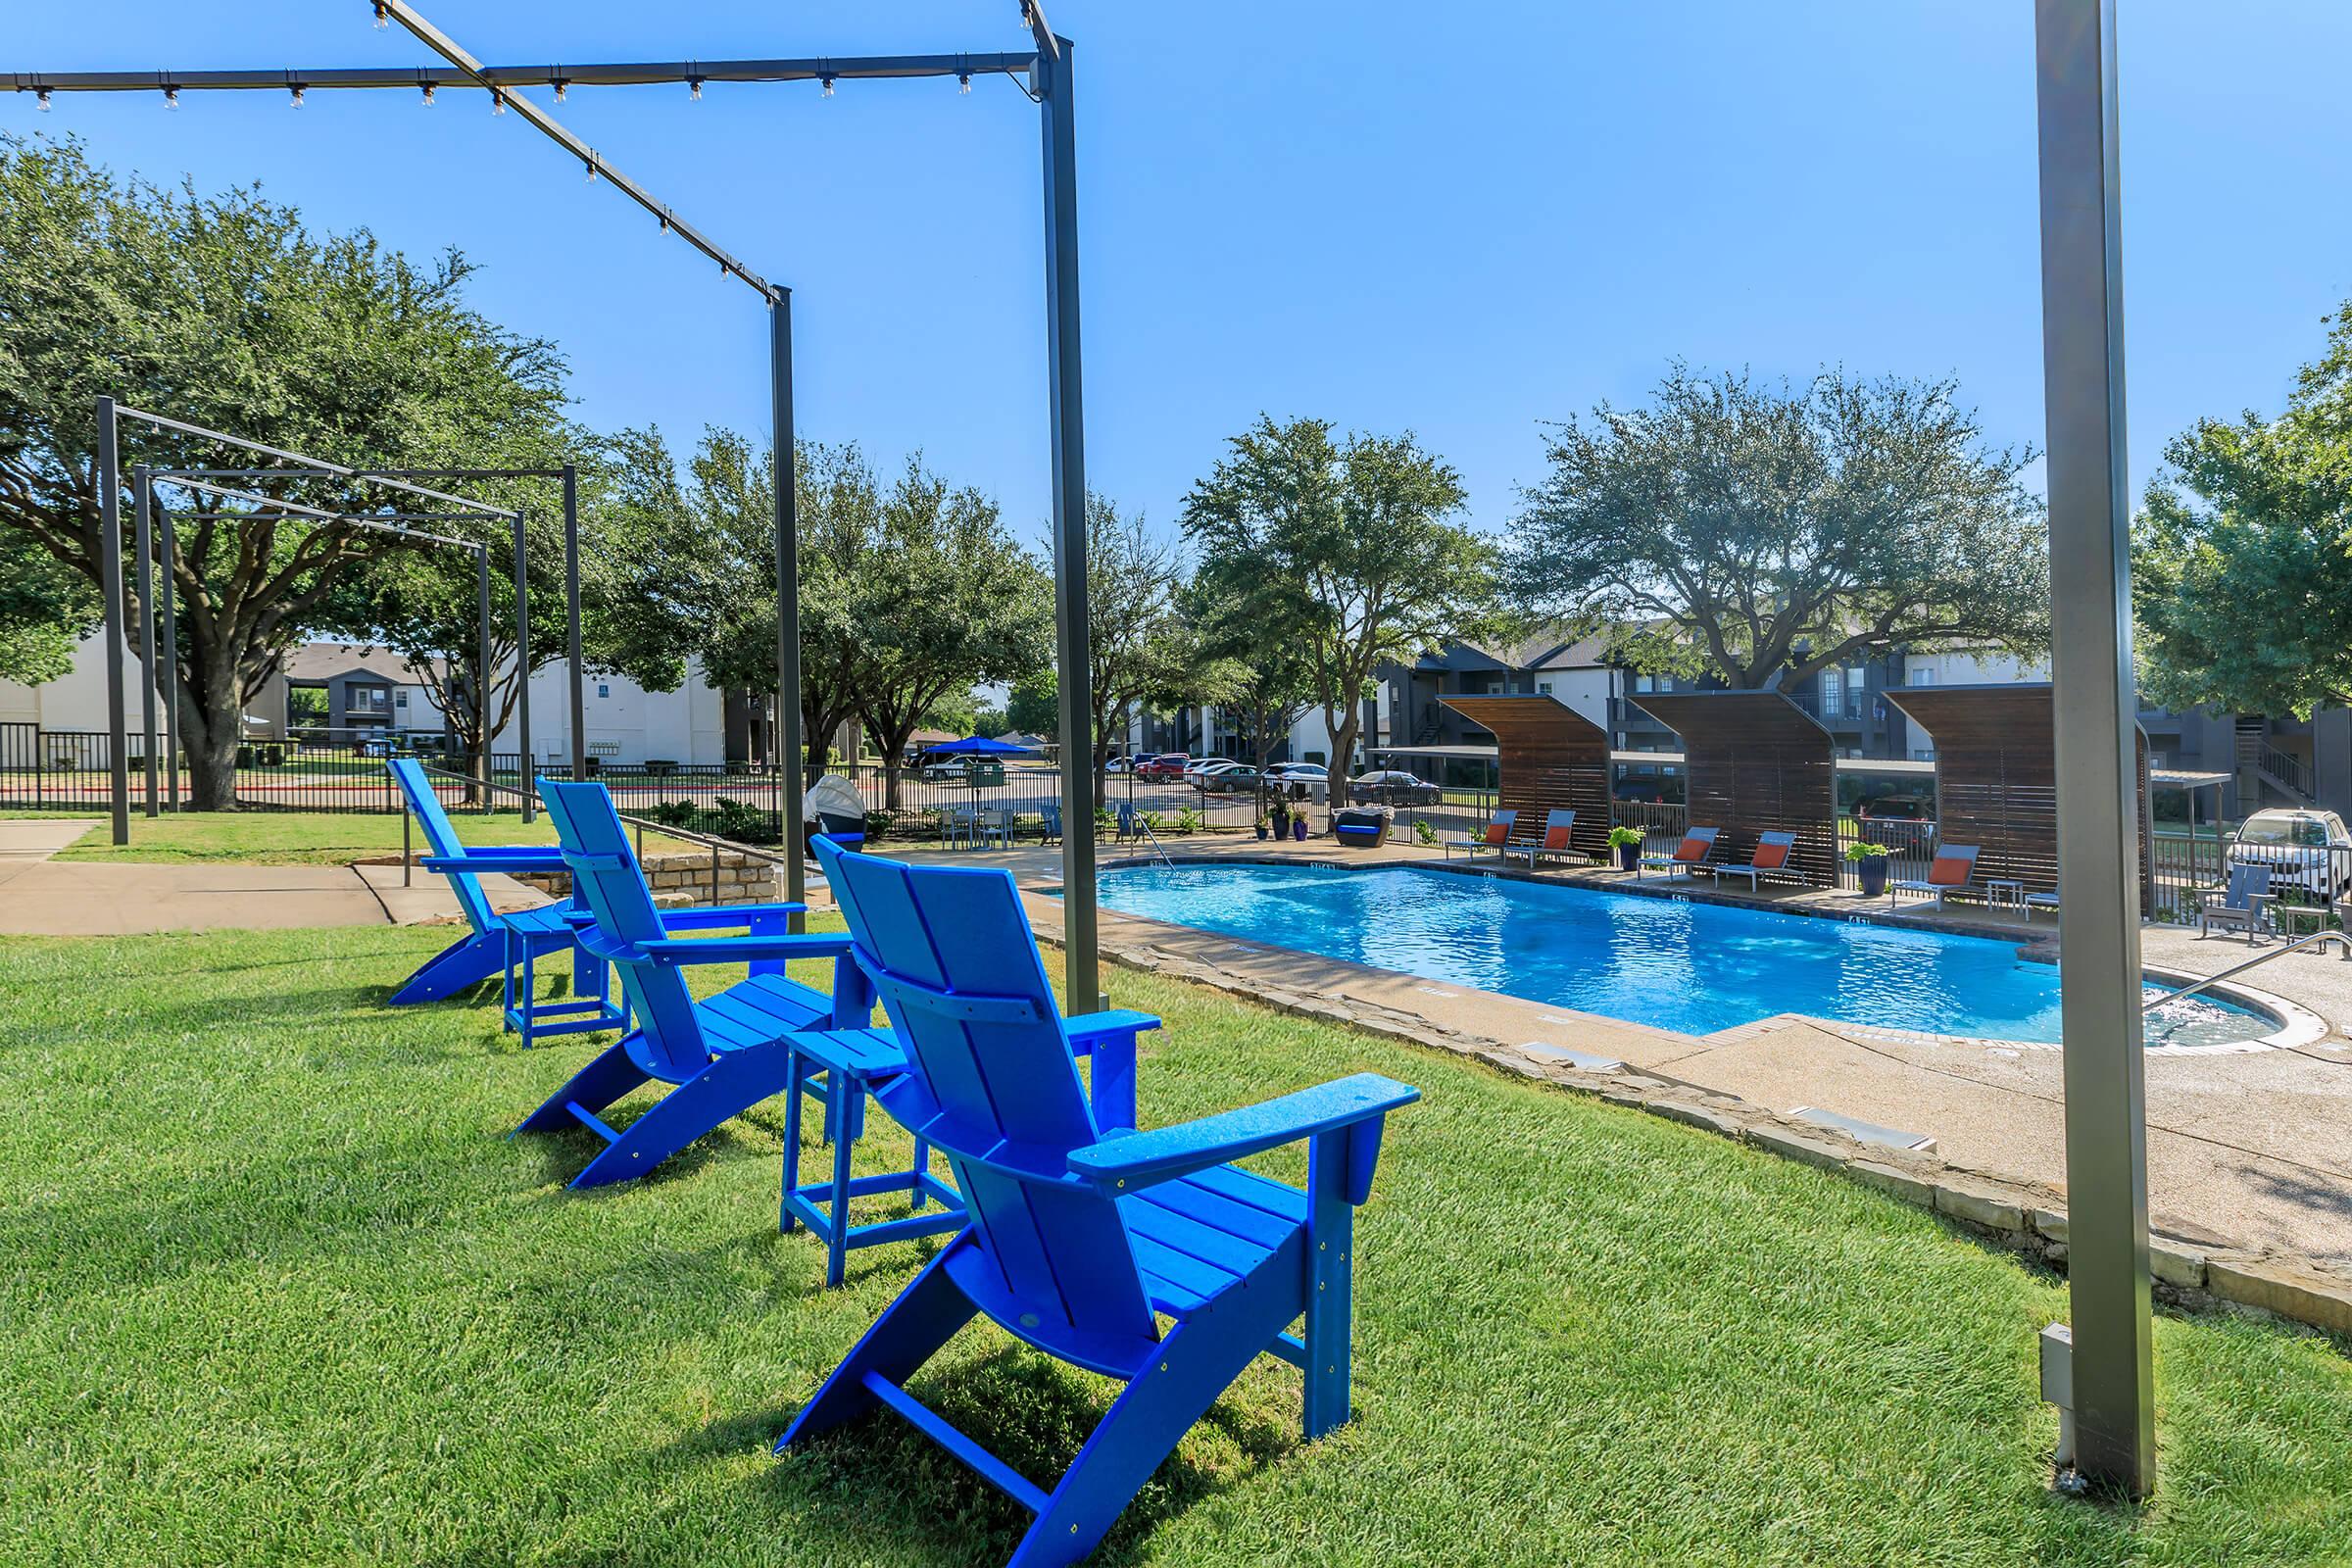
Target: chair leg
(1197,1362)
(796,1080)
(837,1235)
(1330,1288)
(594,1086)
(467,962)
(909,1332)
(730,1085)
(922,1164)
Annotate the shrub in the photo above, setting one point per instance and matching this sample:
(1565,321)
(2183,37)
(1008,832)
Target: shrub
(1865,851)
(1424,833)
(1620,837)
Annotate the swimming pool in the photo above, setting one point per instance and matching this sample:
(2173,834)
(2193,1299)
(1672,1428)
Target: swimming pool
(1676,964)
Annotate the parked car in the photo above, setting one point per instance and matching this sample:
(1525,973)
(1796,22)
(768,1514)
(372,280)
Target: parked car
(2307,851)
(1120,764)
(1895,809)
(1640,791)
(1301,772)
(1166,766)
(946,770)
(1201,767)
(1238,779)
(1394,787)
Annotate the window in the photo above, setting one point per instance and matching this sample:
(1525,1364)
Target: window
(1923,754)
(1543,684)
(1922,675)
(603,689)
(1645,683)
(400,698)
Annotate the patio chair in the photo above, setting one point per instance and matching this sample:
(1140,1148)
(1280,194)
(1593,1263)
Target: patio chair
(1048,824)
(1085,1231)
(2036,902)
(1689,855)
(997,826)
(722,1054)
(1495,836)
(1771,858)
(1950,872)
(1557,823)
(497,943)
(2246,904)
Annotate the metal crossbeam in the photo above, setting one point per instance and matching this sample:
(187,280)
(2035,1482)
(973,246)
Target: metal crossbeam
(637,73)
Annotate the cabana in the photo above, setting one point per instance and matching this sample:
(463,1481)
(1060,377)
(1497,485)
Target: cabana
(1549,756)
(1996,779)
(1755,764)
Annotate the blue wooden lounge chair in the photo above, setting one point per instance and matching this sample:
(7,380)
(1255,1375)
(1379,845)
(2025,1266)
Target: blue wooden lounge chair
(1084,1232)
(722,1054)
(505,944)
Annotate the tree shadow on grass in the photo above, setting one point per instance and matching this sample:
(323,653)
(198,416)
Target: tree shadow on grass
(879,1477)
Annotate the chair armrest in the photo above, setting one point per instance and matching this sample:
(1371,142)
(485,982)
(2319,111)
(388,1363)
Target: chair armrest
(1142,1159)
(744,915)
(1088,1027)
(745,950)
(1109,1039)
(476,860)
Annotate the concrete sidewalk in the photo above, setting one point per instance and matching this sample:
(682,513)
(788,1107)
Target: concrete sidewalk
(98,898)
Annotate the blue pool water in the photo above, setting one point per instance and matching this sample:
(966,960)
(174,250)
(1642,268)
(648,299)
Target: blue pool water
(1674,963)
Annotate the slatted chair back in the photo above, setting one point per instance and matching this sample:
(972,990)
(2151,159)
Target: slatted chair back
(1698,844)
(442,839)
(993,1085)
(1499,828)
(1557,823)
(1772,851)
(1953,865)
(2248,881)
(596,850)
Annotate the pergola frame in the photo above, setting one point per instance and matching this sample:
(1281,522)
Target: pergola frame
(1049,86)
(206,482)
(2089,509)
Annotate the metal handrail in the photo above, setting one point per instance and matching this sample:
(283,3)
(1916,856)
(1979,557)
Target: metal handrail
(2256,961)
(1145,828)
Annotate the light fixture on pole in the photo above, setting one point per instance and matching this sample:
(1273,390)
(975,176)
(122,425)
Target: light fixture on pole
(170,97)
(428,95)
(41,99)
(294,95)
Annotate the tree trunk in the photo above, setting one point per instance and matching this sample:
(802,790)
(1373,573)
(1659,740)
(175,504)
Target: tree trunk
(212,764)
(890,781)
(1342,750)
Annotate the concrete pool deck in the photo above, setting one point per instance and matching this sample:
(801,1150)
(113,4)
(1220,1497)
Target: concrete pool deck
(2245,1149)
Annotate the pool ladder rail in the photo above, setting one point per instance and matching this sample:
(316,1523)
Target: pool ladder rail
(2255,962)
(1143,830)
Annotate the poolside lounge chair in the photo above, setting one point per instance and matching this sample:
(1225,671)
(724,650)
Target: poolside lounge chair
(1770,859)
(724,1054)
(2245,904)
(1495,835)
(2040,900)
(1950,872)
(1557,824)
(1698,844)
(502,944)
(1084,1231)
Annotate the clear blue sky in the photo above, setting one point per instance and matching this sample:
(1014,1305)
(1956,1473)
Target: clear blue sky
(1461,219)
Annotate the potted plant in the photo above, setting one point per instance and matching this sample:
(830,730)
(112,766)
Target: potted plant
(1626,842)
(1870,864)
(1279,816)
(1299,829)
(1262,830)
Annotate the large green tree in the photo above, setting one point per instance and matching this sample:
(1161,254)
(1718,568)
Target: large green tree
(1346,552)
(226,312)
(1139,650)
(2242,555)
(45,610)
(1761,533)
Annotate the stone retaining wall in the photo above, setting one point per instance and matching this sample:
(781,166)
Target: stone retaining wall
(2028,1217)
(683,880)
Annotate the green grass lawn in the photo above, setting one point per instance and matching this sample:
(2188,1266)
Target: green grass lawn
(298,838)
(280,1291)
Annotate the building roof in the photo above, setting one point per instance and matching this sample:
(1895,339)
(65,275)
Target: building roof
(324,660)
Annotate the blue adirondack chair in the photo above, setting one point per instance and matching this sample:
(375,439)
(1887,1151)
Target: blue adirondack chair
(722,1054)
(505,944)
(1083,1228)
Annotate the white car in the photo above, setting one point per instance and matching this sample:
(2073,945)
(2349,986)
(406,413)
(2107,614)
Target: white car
(1302,772)
(2307,851)
(1203,766)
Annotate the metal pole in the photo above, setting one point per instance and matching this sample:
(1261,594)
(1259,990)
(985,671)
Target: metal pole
(789,741)
(2090,539)
(110,586)
(572,600)
(1073,663)
(482,664)
(140,492)
(523,672)
(171,671)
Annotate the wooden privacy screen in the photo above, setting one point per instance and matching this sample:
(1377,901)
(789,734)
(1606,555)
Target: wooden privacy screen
(1996,778)
(1550,757)
(1756,764)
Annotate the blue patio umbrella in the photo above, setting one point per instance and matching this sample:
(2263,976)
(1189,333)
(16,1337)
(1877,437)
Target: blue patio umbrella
(978,746)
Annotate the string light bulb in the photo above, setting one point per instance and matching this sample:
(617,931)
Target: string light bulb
(562,90)
(383,18)
(591,170)
(294,96)
(694,88)
(498,102)
(41,99)
(170,97)
(828,85)
(428,95)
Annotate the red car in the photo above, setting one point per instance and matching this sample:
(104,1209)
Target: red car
(1166,766)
